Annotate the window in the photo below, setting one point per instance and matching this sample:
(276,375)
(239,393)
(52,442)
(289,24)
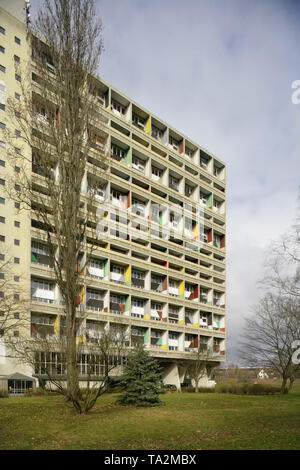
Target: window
(117,269)
(17,224)
(117,151)
(2,144)
(16,58)
(17,242)
(138,164)
(2,294)
(156,306)
(17,40)
(17,260)
(2,182)
(16,297)
(16,315)
(156,133)
(18,133)
(2,106)
(2,238)
(2,125)
(17,205)
(2,30)
(2,220)
(2,49)
(2,163)
(17,169)
(16,334)
(2,68)
(1,275)
(2,257)
(17,96)
(138,275)
(156,171)
(117,107)
(17,187)
(137,302)
(17,278)
(17,77)
(2,200)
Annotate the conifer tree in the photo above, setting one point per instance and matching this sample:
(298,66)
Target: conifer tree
(141,380)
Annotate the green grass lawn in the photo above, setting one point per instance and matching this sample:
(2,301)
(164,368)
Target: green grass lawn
(187,421)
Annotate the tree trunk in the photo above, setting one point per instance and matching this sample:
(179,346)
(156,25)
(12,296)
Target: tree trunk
(292,379)
(283,384)
(73,390)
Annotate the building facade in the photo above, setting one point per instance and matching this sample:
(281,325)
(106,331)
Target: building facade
(159,267)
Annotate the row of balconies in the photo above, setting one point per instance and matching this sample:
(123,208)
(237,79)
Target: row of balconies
(125,110)
(137,307)
(178,183)
(141,279)
(46,326)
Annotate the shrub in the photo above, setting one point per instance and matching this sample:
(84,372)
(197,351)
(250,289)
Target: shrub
(169,388)
(247,389)
(206,390)
(38,392)
(141,380)
(3,394)
(189,389)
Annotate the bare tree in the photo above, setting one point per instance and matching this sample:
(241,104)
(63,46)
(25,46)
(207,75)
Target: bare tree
(95,361)
(268,336)
(58,123)
(282,273)
(201,365)
(13,302)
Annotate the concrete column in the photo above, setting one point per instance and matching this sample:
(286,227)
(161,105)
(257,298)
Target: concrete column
(170,375)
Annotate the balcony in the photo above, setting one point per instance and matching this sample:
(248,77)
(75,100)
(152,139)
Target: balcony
(94,304)
(173,317)
(117,277)
(42,326)
(174,185)
(138,122)
(156,286)
(156,314)
(40,258)
(138,283)
(203,163)
(117,308)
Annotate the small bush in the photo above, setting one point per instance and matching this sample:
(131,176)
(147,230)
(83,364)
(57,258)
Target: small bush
(169,388)
(39,392)
(247,389)
(188,389)
(3,394)
(222,388)
(206,390)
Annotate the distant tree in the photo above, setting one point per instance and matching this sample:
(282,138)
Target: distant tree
(141,380)
(200,366)
(269,334)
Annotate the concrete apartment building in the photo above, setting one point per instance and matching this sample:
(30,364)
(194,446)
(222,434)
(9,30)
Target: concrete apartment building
(160,270)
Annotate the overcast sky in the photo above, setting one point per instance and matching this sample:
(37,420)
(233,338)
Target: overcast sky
(221,73)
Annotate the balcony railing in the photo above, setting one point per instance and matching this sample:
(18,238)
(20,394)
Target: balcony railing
(95,304)
(139,283)
(116,308)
